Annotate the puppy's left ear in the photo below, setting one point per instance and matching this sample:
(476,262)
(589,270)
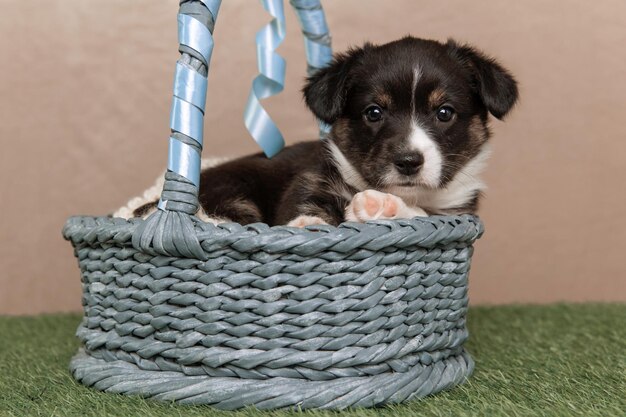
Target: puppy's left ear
(495,85)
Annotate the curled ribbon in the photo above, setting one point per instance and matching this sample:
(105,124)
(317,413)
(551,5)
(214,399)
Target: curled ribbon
(270,81)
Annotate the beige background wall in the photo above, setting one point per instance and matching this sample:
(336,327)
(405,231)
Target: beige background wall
(84,103)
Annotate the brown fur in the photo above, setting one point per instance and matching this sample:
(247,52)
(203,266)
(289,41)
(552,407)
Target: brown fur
(436,98)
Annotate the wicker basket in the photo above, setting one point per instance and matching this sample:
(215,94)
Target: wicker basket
(229,315)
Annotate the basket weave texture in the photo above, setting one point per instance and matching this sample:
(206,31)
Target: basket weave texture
(323,317)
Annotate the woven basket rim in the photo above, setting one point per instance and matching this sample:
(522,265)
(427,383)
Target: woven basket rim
(423,232)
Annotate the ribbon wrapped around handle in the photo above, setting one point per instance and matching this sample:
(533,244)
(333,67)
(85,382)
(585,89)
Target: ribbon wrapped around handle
(317,40)
(170,230)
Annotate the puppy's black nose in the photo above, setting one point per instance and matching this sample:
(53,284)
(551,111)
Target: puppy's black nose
(409,164)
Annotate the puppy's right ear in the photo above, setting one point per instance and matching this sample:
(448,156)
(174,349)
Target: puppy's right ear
(325,91)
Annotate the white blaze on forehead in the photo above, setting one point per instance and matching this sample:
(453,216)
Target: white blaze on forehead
(417,73)
(419,140)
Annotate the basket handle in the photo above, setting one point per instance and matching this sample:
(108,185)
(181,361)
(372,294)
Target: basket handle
(317,40)
(170,230)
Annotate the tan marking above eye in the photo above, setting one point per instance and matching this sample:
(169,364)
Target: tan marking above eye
(437,97)
(383,100)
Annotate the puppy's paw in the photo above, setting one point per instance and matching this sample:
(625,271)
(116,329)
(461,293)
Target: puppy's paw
(372,205)
(302,221)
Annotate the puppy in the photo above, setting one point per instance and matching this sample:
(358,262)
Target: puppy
(409,138)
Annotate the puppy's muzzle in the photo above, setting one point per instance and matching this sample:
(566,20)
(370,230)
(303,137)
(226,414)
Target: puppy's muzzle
(409,164)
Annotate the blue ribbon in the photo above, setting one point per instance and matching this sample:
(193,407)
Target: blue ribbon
(187,119)
(213,6)
(184,160)
(189,101)
(192,33)
(317,40)
(190,86)
(270,81)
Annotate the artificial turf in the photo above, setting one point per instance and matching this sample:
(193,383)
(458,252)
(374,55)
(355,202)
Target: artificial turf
(560,360)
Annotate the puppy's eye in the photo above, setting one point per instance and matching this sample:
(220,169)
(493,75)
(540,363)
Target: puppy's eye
(445,113)
(373,113)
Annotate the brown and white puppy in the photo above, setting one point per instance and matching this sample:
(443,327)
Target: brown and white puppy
(409,138)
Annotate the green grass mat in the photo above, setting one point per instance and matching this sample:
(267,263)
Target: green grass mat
(561,360)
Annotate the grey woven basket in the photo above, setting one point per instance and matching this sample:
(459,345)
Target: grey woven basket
(357,315)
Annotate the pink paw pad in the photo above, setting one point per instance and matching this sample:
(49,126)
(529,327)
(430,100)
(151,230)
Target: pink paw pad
(371,205)
(390,206)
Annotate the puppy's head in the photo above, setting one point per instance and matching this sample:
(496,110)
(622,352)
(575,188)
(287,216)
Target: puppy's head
(411,112)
